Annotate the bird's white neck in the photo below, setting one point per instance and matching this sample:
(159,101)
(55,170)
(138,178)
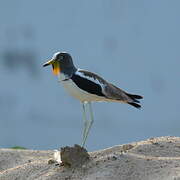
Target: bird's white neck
(62,77)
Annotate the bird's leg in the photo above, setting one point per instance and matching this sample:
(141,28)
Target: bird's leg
(88,122)
(84,104)
(91,120)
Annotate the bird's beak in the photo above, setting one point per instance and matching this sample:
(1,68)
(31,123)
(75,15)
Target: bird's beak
(55,66)
(48,63)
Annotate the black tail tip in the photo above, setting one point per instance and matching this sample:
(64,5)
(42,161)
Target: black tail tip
(138,97)
(135,105)
(134,96)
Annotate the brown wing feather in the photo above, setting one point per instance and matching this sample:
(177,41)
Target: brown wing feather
(115,93)
(118,94)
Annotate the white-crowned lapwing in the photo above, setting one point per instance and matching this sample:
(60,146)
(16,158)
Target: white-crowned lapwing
(87,87)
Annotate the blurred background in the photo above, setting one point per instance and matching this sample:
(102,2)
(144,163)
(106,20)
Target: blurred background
(133,44)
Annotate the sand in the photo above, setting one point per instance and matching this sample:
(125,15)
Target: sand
(152,159)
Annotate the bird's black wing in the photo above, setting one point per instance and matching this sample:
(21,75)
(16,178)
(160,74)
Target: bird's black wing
(88,82)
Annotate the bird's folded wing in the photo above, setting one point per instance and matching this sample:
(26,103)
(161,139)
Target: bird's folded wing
(115,93)
(109,90)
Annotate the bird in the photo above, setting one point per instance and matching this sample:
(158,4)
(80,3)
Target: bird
(87,87)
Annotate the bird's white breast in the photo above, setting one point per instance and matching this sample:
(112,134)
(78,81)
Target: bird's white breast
(78,93)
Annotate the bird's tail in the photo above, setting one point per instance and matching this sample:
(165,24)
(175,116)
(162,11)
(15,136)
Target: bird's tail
(135,102)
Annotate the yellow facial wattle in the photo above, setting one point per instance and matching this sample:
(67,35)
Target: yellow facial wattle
(56,68)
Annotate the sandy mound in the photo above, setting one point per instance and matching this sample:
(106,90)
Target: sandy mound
(153,159)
